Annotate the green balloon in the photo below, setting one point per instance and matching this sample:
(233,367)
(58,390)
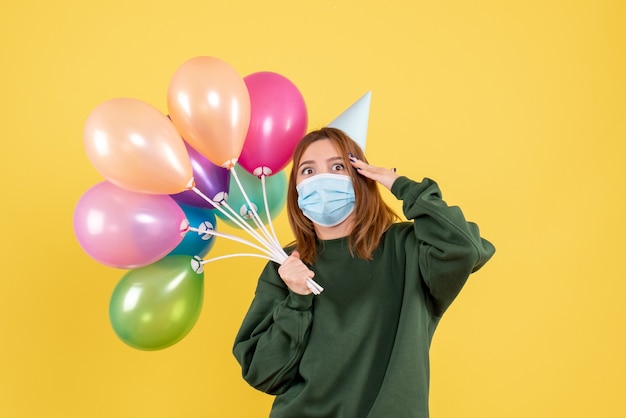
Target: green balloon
(155,306)
(276,189)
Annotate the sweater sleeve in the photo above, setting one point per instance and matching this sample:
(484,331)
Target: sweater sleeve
(449,247)
(273,335)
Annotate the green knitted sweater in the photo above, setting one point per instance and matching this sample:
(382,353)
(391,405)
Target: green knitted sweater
(360,349)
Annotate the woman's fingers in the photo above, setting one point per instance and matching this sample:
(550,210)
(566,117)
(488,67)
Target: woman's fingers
(384,176)
(295,274)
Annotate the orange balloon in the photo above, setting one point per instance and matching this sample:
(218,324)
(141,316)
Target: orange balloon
(210,106)
(136,147)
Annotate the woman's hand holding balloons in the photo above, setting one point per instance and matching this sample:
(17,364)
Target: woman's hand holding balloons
(295,274)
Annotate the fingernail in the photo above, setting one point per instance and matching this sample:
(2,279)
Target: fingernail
(352,157)
(394,169)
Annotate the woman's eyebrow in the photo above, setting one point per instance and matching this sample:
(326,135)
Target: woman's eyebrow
(329,160)
(305,163)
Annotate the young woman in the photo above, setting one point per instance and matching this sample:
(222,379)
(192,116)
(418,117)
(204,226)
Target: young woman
(360,348)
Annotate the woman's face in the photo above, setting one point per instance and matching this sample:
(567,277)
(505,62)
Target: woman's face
(321,157)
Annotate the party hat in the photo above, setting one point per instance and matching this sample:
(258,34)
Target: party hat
(353,121)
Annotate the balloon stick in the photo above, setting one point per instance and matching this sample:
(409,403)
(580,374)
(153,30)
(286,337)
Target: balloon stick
(234,217)
(245,226)
(230,237)
(222,257)
(267,208)
(273,242)
(273,250)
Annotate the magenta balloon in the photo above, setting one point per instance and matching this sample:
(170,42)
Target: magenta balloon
(125,229)
(278,120)
(209,178)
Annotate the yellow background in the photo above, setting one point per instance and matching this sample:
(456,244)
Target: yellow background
(517,109)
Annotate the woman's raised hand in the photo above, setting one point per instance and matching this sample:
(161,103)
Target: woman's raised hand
(384,176)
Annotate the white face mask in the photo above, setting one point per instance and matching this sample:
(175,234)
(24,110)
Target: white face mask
(326,199)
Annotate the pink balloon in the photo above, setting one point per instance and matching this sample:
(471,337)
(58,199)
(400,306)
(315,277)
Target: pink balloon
(125,229)
(278,120)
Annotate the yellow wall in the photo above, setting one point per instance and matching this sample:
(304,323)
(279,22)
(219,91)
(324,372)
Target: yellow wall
(516,108)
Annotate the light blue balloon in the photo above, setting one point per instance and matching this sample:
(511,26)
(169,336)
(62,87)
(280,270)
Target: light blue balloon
(195,243)
(275,188)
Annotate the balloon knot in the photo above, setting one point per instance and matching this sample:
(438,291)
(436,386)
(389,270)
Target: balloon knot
(230,163)
(262,171)
(184,227)
(197,265)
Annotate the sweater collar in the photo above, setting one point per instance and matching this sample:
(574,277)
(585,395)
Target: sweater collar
(337,244)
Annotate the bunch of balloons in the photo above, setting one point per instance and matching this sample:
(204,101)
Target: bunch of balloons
(167,176)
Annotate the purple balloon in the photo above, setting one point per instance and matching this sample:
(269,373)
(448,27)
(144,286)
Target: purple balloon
(125,229)
(210,179)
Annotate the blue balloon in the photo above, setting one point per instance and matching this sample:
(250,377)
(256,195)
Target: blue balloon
(195,243)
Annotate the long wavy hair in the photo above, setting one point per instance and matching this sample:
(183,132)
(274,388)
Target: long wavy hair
(372,215)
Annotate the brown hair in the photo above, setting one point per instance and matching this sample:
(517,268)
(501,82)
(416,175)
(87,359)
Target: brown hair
(373,216)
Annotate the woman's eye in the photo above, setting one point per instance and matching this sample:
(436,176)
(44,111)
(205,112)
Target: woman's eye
(306,171)
(337,167)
